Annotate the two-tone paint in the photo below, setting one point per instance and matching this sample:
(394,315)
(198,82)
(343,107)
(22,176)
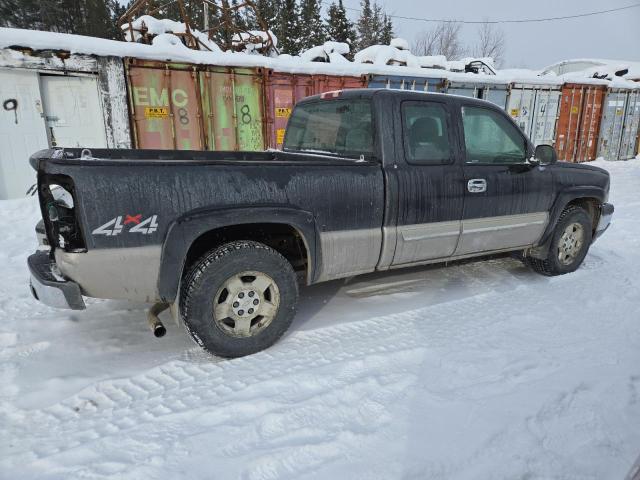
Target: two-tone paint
(353,215)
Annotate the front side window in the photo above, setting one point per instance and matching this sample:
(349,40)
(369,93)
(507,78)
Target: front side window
(426,133)
(490,138)
(339,127)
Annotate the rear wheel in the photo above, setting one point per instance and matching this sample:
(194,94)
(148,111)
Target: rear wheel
(239,299)
(569,245)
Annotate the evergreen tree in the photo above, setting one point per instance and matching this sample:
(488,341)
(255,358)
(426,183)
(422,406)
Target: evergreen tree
(366,23)
(339,28)
(311,20)
(288,28)
(387,30)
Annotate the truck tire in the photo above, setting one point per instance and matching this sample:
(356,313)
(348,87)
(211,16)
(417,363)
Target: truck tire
(239,299)
(569,244)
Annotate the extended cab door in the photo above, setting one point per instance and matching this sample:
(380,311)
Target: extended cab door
(429,183)
(507,200)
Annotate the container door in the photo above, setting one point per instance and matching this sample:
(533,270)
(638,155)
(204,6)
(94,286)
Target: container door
(249,107)
(233,106)
(611,126)
(22,130)
(631,125)
(73,112)
(543,129)
(463,90)
(165,102)
(520,107)
(590,124)
(283,91)
(569,122)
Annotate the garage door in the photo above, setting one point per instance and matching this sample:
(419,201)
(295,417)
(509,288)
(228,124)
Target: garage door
(22,130)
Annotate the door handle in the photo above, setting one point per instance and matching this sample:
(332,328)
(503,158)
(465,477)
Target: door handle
(477,185)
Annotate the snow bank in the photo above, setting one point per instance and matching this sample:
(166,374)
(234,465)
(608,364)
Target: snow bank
(481,370)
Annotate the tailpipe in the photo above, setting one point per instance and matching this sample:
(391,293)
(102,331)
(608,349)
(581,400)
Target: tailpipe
(155,324)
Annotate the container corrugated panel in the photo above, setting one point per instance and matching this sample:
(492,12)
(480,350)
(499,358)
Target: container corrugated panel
(579,122)
(233,105)
(165,105)
(419,84)
(545,116)
(521,105)
(590,124)
(631,126)
(328,83)
(282,92)
(494,93)
(613,115)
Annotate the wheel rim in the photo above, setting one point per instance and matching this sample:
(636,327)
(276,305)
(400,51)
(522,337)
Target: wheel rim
(246,304)
(570,243)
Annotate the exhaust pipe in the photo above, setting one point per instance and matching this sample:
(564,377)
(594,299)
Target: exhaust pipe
(156,325)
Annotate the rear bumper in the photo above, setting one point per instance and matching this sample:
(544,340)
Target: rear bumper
(606,212)
(50,289)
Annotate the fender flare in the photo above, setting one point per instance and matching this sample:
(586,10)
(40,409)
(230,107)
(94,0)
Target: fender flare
(184,231)
(563,198)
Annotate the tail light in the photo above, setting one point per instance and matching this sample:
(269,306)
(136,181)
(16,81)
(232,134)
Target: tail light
(60,216)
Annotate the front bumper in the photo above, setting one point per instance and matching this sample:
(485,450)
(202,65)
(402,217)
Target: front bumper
(606,212)
(50,289)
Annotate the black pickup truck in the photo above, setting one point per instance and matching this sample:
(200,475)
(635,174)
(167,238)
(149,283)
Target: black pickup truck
(367,180)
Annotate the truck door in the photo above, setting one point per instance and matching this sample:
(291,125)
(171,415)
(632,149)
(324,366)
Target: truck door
(430,190)
(507,200)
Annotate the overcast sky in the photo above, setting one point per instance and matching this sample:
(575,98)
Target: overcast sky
(613,35)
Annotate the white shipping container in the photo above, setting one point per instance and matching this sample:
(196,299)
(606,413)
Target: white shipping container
(535,109)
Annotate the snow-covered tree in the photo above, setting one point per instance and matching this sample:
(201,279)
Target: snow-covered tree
(339,27)
(311,20)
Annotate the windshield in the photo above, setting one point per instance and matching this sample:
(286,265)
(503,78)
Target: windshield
(337,127)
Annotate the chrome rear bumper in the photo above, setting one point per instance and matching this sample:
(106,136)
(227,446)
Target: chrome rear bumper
(51,289)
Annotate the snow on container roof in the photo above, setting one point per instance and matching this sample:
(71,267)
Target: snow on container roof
(167,49)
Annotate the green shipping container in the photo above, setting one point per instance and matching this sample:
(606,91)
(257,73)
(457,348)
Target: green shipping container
(233,107)
(165,105)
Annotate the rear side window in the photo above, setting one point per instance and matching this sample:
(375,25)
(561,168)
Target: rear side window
(338,127)
(426,133)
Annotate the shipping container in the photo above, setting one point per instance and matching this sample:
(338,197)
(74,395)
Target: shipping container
(631,128)
(165,105)
(612,123)
(579,122)
(282,92)
(494,93)
(535,109)
(233,106)
(419,84)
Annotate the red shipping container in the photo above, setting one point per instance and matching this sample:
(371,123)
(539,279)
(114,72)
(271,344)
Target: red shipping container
(282,91)
(579,122)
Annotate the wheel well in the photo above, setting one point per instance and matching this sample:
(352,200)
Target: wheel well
(590,205)
(283,238)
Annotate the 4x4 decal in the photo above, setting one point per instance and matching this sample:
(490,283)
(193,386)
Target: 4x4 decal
(115,226)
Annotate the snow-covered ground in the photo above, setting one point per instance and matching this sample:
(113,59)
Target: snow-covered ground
(481,370)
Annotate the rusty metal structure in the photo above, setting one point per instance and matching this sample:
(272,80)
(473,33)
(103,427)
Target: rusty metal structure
(223,13)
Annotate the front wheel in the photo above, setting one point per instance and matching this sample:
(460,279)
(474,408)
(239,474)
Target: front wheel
(569,245)
(239,299)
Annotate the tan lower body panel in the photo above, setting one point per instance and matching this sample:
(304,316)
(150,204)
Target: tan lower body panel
(349,252)
(426,241)
(118,273)
(499,233)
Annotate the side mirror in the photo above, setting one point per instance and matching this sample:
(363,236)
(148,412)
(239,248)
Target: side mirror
(546,154)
